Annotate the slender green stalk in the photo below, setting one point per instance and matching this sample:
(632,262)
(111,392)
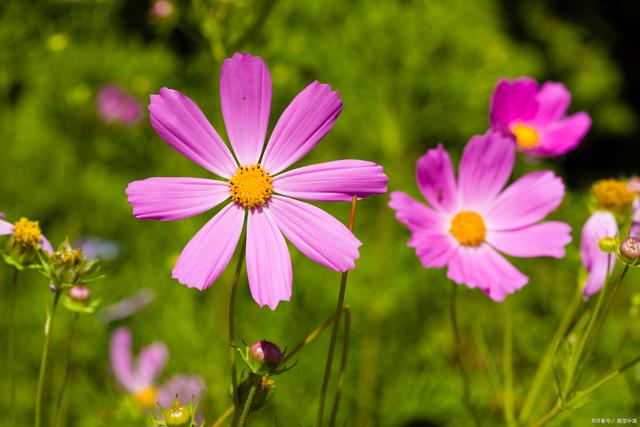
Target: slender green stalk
(247,404)
(67,370)
(547,360)
(507,361)
(232,328)
(310,337)
(343,366)
(336,326)
(43,360)
(463,372)
(10,346)
(218,422)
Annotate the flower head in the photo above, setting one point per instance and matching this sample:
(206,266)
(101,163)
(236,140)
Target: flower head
(596,235)
(612,195)
(471,219)
(115,105)
(26,239)
(630,251)
(535,117)
(255,184)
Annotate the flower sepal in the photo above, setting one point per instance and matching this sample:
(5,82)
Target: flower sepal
(67,267)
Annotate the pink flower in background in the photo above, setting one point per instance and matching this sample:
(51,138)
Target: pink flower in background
(161,9)
(140,377)
(115,105)
(535,116)
(599,264)
(471,219)
(256,185)
(27,231)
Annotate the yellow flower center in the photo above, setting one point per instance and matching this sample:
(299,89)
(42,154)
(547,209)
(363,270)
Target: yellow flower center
(146,398)
(611,194)
(526,136)
(27,233)
(468,228)
(251,186)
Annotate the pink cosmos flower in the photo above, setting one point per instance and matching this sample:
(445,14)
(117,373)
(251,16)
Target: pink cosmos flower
(254,182)
(471,219)
(140,377)
(535,116)
(598,263)
(26,230)
(115,105)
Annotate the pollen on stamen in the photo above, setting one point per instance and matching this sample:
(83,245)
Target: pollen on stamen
(468,228)
(526,136)
(251,186)
(27,233)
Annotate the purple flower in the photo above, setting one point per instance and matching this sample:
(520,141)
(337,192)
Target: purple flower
(599,264)
(26,232)
(471,219)
(140,377)
(117,106)
(94,247)
(535,116)
(255,183)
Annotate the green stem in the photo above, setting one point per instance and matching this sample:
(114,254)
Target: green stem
(10,346)
(247,404)
(310,337)
(343,366)
(547,360)
(336,326)
(67,370)
(507,360)
(43,360)
(456,337)
(232,330)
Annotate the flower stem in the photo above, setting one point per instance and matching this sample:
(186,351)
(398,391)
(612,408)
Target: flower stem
(310,337)
(43,360)
(247,404)
(343,366)
(67,370)
(218,422)
(336,326)
(547,360)
(232,329)
(10,346)
(507,360)
(456,337)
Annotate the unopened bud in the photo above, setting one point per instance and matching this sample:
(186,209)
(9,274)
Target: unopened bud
(80,293)
(630,251)
(178,415)
(266,353)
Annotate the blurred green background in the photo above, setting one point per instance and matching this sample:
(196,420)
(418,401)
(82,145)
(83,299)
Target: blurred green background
(411,74)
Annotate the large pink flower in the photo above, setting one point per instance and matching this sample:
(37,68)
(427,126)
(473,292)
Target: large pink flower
(598,263)
(254,181)
(535,116)
(472,218)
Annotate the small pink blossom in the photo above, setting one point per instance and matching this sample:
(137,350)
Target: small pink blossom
(115,105)
(471,219)
(6,228)
(535,117)
(599,264)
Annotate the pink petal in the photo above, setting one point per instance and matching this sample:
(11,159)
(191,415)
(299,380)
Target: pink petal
(434,248)
(167,199)
(315,233)
(303,124)
(513,101)
(484,268)
(436,179)
(245,95)
(597,263)
(121,361)
(415,215)
(526,201)
(485,167)
(553,100)
(336,181)
(185,386)
(544,239)
(209,251)
(562,136)
(268,260)
(151,363)
(181,124)
(5,228)
(46,246)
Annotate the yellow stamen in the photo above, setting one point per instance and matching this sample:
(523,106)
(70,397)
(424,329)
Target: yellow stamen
(611,194)
(468,228)
(526,136)
(251,186)
(27,233)
(146,398)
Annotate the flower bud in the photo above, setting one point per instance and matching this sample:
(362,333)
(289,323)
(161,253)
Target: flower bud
(266,353)
(178,415)
(630,251)
(80,293)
